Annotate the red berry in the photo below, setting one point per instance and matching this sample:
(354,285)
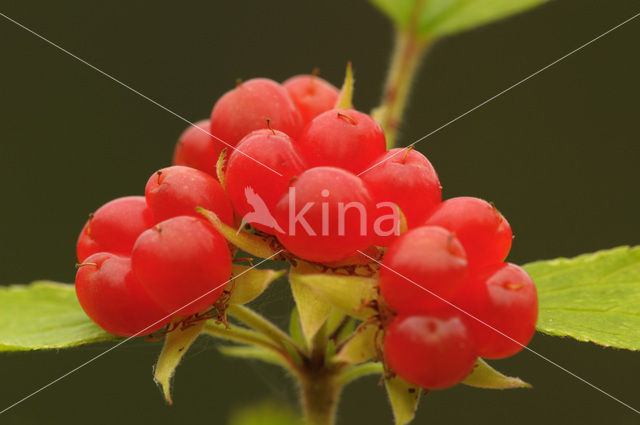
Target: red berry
(248,107)
(342,138)
(183,263)
(312,95)
(178,190)
(255,189)
(113,298)
(430,351)
(196,148)
(326,215)
(422,267)
(485,234)
(405,178)
(114,227)
(504,297)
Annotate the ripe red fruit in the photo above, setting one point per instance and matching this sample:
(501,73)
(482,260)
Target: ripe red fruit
(406,178)
(255,189)
(312,95)
(504,297)
(247,108)
(114,227)
(183,263)
(424,261)
(178,190)
(196,148)
(327,215)
(430,351)
(113,298)
(485,234)
(342,138)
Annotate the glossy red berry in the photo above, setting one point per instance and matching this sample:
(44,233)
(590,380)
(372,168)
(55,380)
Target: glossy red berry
(422,267)
(183,263)
(255,189)
(504,297)
(178,190)
(326,215)
(113,298)
(343,138)
(485,234)
(430,351)
(312,95)
(248,107)
(407,179)
(196,148)
(114,227)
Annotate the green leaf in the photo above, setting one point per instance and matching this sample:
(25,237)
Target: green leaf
(44,315)
(345,100)
(249,282)
(593,297)
(484,376)
(247,242)
(176,344)
(295,328)
(436,18)
(313,311)
(404,399)
(348,293)
(265,413)
(361,347)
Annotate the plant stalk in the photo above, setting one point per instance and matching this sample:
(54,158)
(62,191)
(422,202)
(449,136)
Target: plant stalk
(320,392)
(408,52)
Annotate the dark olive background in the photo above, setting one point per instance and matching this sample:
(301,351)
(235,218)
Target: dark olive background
(558,155)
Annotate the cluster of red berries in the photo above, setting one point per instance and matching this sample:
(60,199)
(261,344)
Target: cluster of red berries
(143,260)
(455,298)
(320,180)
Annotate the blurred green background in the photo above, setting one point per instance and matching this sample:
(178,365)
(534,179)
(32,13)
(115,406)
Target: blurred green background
(558,155)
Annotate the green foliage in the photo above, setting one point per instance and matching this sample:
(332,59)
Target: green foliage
(436,18)
(44,315)
(404,399)
(593,297)
(176,344)
(348,293)
(249,283)
(484,376)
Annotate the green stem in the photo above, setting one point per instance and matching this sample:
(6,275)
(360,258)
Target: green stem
(238,334)
(358,371)
(407,54)
(320,393)
(260,324)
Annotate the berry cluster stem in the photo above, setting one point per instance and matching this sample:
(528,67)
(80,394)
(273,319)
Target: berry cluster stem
(408,52)
(320,392)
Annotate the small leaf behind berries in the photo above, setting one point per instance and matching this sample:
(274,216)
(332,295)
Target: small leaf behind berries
(220,168)
(252,244)
(313,311)
(249,283)
(484,376)
(348,293)
(436,18)
(361,347)
(404,399)
(176,343)
(44,315)
(593,297)
(345,100)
